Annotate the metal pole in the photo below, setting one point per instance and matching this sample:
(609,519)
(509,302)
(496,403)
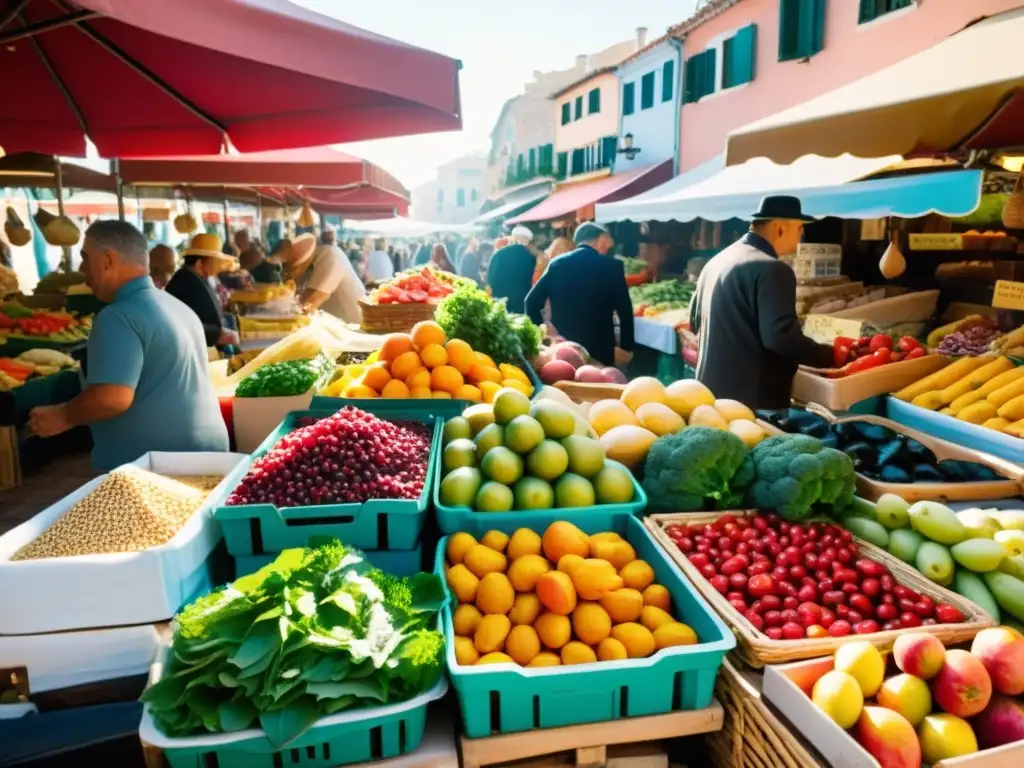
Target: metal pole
(65,260)
(119,186)
(227,221)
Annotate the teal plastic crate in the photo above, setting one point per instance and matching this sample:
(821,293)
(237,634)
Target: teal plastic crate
(364,735)
(455,519)
(377,524)
(506,698)
(523,363)
(400,562)
(408,409)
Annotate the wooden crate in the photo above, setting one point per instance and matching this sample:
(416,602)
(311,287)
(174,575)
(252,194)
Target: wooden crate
(393,318)
(589,744)
(755,649)
(813,385)
(753,735)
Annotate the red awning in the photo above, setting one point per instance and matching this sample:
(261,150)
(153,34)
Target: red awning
(367,202)
(140,77)
(608,189)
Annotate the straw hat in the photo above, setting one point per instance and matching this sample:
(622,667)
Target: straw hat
(210,246)
(303,247)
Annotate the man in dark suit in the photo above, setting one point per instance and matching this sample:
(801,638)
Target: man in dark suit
(586,289)
(744,312)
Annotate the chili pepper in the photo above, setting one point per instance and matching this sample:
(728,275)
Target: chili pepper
(866,363)
(845,341)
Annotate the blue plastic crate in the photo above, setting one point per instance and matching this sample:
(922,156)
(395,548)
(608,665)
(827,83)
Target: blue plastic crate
(956,431)
(531,374)
(363,735)
(400,562)
(505,698)
(377,524)
(455,519)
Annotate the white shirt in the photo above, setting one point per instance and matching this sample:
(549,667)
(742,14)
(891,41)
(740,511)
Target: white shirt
(379,267)
(332,273)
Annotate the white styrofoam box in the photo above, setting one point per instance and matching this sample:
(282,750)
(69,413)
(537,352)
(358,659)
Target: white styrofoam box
(256,417)
(112,590)
(66,659)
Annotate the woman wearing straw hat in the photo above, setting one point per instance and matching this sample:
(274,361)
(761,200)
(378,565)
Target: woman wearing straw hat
(204,260)
(325,278)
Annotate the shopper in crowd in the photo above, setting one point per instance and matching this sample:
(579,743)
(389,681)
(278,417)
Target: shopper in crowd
(510,272)
(744,308)
(259,267)
(587,289)
(423,255)
(440,260)
(471,263)
(559,246)
(147,383)
(162,260)
(379,266)
(194,285)
(326,279)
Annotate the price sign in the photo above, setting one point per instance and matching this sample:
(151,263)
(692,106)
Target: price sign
(1008,295)
(825,329)
(937,242)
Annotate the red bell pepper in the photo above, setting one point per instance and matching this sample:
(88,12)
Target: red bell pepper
(880,341)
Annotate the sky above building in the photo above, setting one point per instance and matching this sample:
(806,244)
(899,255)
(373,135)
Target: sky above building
(500,45)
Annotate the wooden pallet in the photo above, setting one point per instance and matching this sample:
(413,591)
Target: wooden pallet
(594,745)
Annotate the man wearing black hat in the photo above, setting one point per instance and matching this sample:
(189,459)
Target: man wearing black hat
(585,288)
(744,312)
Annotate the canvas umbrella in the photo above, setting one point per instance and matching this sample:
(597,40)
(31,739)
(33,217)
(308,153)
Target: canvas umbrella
(185,77)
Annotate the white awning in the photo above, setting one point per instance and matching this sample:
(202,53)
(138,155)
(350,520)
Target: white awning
(635,208)
(513,203)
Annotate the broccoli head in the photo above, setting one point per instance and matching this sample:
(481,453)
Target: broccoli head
(686,469)
(795,472)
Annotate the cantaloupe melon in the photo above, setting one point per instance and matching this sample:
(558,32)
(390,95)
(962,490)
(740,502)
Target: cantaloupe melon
(659,418)
(606,414)
(733,409)
(707,416)
(645,389)
(628,444)
(685,395)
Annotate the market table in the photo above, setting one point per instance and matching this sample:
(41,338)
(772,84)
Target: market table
(657,336)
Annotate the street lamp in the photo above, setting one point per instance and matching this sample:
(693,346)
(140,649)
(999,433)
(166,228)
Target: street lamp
(627,148)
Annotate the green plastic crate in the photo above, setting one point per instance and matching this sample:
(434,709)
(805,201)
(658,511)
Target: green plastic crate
(506,698)
(408,409)
(400,562)
(455,519)
(364,735)
(377,524)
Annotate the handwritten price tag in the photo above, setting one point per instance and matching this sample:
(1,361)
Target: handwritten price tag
(825,329)
(1008,295)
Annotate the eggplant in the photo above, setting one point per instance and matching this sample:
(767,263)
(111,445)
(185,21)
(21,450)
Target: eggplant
(871,432)
(830,440)
(967,471)
(863,455)
(927,473)
(920,452)
(893,451)
(893,473)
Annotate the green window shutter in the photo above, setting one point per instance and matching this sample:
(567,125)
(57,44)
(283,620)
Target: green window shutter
(532,161)
(647,91)
(628,98)
(578,108)
(563,164)
(578,161)
(668,80)
(801,28)
(868,11)
(690,80)
(594,101)
(742,54)
(566,113)
(545,165)
(709,72)
(609,149)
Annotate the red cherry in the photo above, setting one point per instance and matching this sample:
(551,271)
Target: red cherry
(757,607)
(771,602)
(734,595)
(887,612)
(825,585)
(774,633)
(871,587)
(948,614)
(738,581)
(792,631)
(853,616)
(755,619)
(772,618)
(699,560)
(908,620)
(865,627)
(862,605)
(833,597)
(790,602)
(924,608)
(840,628)
(827,617)
(929,622)
(739,605)
(850,589)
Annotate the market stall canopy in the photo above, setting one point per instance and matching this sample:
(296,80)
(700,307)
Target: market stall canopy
(87,204)
(825,186)
(183,77)
(402,227)
(928,104)
(364,202)
(30,169)
(571,198)
(637,208)
(512,204)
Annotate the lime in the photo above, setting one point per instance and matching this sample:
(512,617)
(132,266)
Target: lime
(494,497)
(459,487)
(533,493)
(573,491)
(489,437)
(523,434)
(510,403)
(547,461)
(456,429)
(557,420)
(586,455)
(502,465)
(460,452)
(613,484)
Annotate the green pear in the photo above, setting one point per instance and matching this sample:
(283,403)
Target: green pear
(979,555)
(978,523)
(937,522)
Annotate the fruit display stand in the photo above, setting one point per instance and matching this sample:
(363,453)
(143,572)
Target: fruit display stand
(755,649)
(506,698)
(753,736)
(956,431)
(377,524)
(812,385)
(119,589)
(984,490)
(60,387)
(394,318)
(788,688)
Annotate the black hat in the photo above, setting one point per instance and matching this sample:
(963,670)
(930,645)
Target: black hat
(780,207)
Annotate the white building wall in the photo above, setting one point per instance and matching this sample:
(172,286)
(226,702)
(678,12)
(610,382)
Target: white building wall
(655,129)
(455,195)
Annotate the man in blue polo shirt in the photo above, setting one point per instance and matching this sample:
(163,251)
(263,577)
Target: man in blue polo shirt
(147,383)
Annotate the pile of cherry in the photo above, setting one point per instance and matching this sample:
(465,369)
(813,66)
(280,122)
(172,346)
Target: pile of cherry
(797,580)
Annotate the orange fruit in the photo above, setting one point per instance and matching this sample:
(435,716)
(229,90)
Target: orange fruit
(485,359)
(406,364)
(420,393)
(395,344)
(354,371)
(360,391)
(441,395)
(419,379)
(460,355)
(488,389)
(468,392)
(482,372)
(376,376)
(433,355)
(446,379)
(427,332)
(395,389)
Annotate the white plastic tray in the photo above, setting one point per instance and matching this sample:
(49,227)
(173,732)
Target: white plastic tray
(66,659)
(111,590)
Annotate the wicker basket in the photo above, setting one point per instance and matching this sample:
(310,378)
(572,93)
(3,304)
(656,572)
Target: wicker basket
(755,649)
(1013,211)
(753,736)
(590,393)
(394,318)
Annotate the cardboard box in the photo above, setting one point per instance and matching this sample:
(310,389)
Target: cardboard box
(257,417)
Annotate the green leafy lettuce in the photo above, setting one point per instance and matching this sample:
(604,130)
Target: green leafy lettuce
(315,632)
(484,323)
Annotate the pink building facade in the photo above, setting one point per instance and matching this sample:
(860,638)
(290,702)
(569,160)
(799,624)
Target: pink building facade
(748,59)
